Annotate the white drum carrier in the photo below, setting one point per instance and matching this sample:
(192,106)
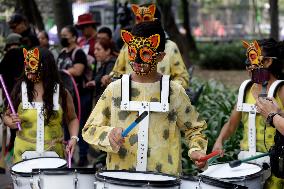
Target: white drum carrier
(251,109)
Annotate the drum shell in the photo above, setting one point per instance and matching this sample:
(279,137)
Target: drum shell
(206,183)
(82,178)
(251,181)
(22,180)
(106,182)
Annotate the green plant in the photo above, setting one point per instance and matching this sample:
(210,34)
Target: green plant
(221,56)
(214,105)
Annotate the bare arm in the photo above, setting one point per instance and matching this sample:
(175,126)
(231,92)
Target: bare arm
(228,129)
(71,118)
(76,70)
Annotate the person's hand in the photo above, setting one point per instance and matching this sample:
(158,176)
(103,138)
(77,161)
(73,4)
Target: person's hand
(219,147)
(115,138)
(266,105)
(70,147)
(106,79)
(15,119)
(195,156)
(91,84)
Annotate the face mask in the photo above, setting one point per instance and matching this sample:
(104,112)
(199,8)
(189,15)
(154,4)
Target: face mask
(142,52)
(32,64)
(64,42)
(260,75)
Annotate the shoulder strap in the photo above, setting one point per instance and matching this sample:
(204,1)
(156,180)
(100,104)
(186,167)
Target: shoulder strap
(74,53)
(273,88)
(241,94)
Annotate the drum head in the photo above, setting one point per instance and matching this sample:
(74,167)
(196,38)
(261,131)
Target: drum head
(225,171)
(211,181)
(132,178)
(25,167)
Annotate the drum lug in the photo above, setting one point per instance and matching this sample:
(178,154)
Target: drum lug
(95,185)
(75,183)
(105,187)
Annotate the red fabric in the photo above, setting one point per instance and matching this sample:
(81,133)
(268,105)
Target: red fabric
(83,41)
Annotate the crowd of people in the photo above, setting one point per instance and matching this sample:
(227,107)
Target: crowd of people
(93,88)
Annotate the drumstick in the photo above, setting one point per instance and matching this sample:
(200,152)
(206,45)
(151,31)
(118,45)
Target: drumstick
(237,163)
(69,157)
(134,123)
(9,100)
(212,154)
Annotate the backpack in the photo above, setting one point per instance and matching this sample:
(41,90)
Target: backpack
(88,71)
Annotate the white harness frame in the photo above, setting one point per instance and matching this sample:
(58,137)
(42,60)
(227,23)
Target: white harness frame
(141,106)
(40,122)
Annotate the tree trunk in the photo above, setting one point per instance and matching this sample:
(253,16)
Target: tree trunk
(274,19)
(186,25)
(62,13)
(172,30)
(30,10)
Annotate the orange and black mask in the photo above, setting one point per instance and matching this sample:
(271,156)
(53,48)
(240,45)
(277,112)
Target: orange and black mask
(143,14)
(32,64)
(255,63)
(142,52)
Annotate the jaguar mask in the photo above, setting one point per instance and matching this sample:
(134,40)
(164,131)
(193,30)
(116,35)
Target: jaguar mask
(143,14)
(142,52)
(32,64)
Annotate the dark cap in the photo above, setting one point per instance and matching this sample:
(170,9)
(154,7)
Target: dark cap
(12,39)
(17,18)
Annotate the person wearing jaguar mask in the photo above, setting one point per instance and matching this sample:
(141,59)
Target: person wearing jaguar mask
(41,103)
(264,68)
(155,144)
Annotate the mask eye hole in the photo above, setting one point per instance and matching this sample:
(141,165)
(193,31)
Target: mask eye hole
(146,18)
(138,18)
(146,55)
(131,53)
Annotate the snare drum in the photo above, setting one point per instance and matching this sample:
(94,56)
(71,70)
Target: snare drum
(247,174)
(206,182)
(78,178)
(21,172)
(128,179)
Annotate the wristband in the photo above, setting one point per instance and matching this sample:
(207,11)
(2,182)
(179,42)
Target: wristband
(75,137)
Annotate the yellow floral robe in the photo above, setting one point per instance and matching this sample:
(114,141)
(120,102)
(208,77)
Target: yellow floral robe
(272,182)
(164,139)
(172,64)
(26,138)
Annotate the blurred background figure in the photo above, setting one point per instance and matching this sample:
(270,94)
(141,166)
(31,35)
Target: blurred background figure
(88,26)
(105,59)
(104,32)
(19,24)
(44,42)
(124,19)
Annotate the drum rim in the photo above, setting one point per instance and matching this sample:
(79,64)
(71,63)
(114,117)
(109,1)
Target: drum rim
(249,177)
(63,171)
(212,181)
(28,174)
(137,183)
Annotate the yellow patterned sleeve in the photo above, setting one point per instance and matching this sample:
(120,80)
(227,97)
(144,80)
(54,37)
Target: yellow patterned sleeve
(178,69)
(120,63)
(191,124)
(97,127)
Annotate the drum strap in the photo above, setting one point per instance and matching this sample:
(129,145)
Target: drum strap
(40,114)
(128,105)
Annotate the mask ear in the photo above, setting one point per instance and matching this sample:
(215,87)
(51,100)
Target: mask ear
(257,47)
(126,36)
(245,44)
(36,53)
(155,40)
(25,52)
(135,8)
(152,9)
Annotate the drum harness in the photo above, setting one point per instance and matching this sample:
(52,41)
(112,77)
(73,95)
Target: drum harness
(276,151)
(141,106)
(40,122)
